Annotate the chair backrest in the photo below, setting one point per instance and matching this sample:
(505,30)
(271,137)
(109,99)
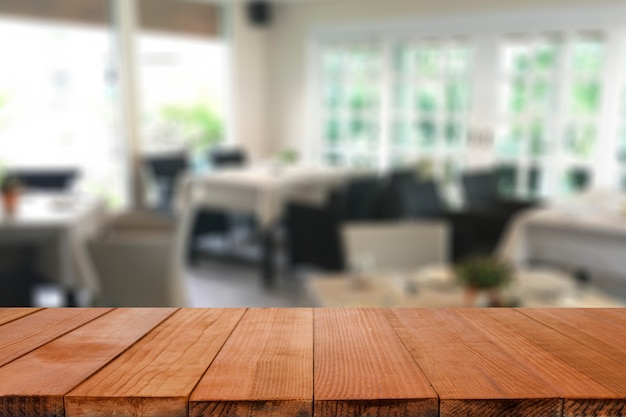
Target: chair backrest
(46,179)
(313,237)
(361,199)
(166,167)
(481,189)
(418,200)
(136,263)
(395,245)
(227,157)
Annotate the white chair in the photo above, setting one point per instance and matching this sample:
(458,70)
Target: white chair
(136,261)
(395,245)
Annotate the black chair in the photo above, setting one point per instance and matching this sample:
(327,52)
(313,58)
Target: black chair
(361,199)
(414,199)
(313,237)
(478,229)
(165,169)
(46,179)
(482,194)
(227,157)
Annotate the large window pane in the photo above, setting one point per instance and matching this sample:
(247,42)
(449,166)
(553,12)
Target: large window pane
(183,92)
(431,96)
(58,100)
(351,76)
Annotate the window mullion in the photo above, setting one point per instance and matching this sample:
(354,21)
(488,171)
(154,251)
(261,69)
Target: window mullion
(384,114)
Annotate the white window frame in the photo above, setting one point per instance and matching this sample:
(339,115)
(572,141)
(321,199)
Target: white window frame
(485,32)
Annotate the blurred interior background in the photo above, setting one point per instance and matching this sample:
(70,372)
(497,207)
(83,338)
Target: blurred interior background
(226,153)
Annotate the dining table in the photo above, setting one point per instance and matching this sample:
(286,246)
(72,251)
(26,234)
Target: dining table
(58,225)
(260,190)
(168,362)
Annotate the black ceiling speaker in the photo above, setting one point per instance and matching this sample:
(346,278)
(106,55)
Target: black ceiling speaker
(259,13)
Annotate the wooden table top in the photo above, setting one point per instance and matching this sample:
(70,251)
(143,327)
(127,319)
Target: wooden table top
(312,362)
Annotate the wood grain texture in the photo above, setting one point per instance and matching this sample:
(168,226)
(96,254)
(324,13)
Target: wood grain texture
(265,368)
(471,375)
(500,408)
(591,328)
(10,314)
(593,408)
(29,332)
(562,342)
(321,362)
(34,384)
(566,379)
(361,368)
(157,374)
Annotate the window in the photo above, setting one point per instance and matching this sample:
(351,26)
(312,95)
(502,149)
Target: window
(426,84)
(57,103)
(551,111)
(191,115)
(543,90)
(431,100)
(352,103)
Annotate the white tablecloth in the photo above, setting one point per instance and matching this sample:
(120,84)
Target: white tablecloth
(59,225)
(261,191)
(585,232)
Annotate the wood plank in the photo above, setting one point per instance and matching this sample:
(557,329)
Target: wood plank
(156,375)
(361,368)
(603,369)
(264,369)
(586,327)
(570,382)
(471,375)
(34,384)
(32,331)
(10,314)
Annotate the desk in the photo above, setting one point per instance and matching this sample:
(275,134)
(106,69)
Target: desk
(59,224)
(259,190)
(312,362)
(586,233)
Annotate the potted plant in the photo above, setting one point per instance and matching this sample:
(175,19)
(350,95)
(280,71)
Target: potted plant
(10,189)
(484,274)
(288,156)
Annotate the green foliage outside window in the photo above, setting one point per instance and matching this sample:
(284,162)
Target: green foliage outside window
(545,58)
(588,56)
(537,139)
(427,133)
(428,62)
(199,125)
(580,140)
(453,132)
(455,96)
(426,100)
(333,132)
(585,99)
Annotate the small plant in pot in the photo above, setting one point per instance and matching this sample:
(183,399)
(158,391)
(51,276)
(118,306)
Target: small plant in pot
(483,273)
(10,189)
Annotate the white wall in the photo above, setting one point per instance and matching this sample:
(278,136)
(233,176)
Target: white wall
(250,54)
(294,23)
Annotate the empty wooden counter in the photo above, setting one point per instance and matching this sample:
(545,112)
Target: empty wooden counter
(312,362)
